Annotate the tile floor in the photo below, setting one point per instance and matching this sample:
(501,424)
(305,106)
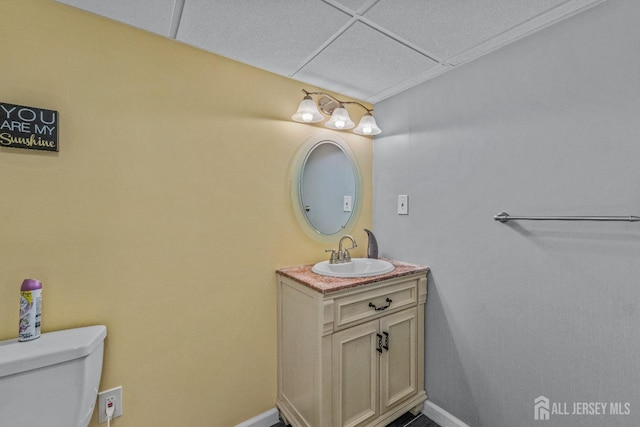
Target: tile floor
(407,420)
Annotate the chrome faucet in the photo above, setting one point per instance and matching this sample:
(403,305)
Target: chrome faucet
(342,256)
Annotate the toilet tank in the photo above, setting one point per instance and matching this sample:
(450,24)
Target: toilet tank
(51,381)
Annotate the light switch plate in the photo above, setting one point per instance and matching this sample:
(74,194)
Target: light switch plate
(403,204)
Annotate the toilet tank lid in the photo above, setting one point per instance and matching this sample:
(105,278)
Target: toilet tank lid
(51,348)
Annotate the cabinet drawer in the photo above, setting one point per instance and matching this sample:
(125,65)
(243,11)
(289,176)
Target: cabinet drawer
(362,306)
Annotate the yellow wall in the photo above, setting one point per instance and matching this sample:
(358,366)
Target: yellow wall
(163,216)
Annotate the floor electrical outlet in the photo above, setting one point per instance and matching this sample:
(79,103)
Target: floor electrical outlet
(114,397)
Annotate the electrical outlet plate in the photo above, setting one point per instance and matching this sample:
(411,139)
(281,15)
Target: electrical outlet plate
(347,204)
(114,394)
(403,204)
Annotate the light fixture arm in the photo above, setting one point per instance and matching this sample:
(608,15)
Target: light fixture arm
(307,93)
(355,102)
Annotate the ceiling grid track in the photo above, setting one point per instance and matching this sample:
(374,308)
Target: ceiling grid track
(325,45)
(358,16)
(401,40)
(175,19)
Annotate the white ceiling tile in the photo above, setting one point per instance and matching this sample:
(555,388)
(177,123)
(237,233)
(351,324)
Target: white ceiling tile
(526,28)
(276,35)
(368,49)
(446,28)
(362,61)
(150,15)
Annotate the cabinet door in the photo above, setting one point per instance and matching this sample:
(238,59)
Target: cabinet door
(355,365)
(398,361)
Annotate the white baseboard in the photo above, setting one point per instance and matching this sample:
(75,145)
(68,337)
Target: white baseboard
(431,410)
(266,419)
(440,416)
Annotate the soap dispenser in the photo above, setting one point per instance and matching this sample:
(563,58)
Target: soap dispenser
(372,246)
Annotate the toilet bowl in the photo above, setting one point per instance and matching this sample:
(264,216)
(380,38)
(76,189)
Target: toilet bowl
(51,381)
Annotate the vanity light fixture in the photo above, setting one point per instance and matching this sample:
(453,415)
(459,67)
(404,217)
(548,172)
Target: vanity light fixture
(308,112)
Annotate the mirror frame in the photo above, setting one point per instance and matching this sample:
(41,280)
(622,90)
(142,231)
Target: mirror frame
(296,176)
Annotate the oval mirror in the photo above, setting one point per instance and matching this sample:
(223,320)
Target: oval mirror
(325,188)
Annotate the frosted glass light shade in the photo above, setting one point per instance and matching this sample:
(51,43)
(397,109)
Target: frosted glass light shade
(307,112)
(367,126)
(340,120)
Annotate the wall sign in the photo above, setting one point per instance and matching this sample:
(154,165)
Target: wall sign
(28,127)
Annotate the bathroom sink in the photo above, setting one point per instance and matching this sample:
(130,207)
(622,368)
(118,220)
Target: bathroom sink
(358,267)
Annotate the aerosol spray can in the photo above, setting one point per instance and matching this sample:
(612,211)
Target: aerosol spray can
(30,310)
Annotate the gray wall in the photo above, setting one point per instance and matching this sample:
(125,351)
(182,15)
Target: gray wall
(547,125)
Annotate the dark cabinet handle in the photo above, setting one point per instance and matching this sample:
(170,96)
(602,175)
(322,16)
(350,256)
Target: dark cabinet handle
(388,300)
(386,341)
(379,348)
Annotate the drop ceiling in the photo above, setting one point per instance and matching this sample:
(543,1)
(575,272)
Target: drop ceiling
(366,49)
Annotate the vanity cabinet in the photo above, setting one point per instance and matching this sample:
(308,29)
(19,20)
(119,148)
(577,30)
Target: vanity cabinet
(350,351)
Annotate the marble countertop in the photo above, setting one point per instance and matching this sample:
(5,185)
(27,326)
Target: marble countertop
(326,284)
